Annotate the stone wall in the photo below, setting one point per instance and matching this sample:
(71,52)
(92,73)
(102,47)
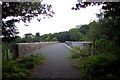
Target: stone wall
(25,48)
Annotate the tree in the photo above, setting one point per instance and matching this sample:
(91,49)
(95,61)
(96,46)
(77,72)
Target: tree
(43,37)
(24,11)
(37,34)
(63,36)
(75,35)
(111,9)
(28,38)
(83,29)
(111,12)
(94,31)
(106,35)
(54,39)
(28,35)
(37,37)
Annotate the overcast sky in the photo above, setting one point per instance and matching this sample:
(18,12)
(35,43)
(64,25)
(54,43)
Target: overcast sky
(63,19)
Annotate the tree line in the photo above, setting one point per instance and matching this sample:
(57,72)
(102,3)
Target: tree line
(75,34)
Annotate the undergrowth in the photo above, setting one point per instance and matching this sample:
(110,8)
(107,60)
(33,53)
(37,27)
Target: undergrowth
(96,67)
(20,67)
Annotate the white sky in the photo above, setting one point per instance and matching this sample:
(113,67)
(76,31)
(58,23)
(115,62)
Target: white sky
(63,19)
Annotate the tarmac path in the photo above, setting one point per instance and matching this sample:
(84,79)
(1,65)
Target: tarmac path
(56,65)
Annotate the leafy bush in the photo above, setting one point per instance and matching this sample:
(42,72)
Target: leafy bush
(76,49)
(96,67)
(77,52)
(75,55)
(20,67)
(99,66)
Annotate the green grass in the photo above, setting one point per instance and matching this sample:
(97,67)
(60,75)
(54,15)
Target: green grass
(19,68)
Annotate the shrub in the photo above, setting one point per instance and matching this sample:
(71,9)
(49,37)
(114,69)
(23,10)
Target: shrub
(77,52)
(76,49)
(99,66)
(19,68)
(75,55)
(12,70)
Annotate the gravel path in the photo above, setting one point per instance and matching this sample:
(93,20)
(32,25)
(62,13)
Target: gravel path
(56,65)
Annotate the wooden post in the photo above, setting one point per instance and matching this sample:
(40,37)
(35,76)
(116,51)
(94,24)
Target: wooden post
(16,51)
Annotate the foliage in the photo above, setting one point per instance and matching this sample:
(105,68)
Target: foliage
(6,53)
(20,67)
(77,52)
(99,66)
(24,11)
(96,67)
(37,34)
(76,49)
(8,49)
(104,64)
(105,35)
(47,37)
(93,32)
(28,35)
(54,39)
(74,35)
(83,29)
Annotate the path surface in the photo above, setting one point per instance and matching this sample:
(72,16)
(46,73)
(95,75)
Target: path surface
(56,65)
